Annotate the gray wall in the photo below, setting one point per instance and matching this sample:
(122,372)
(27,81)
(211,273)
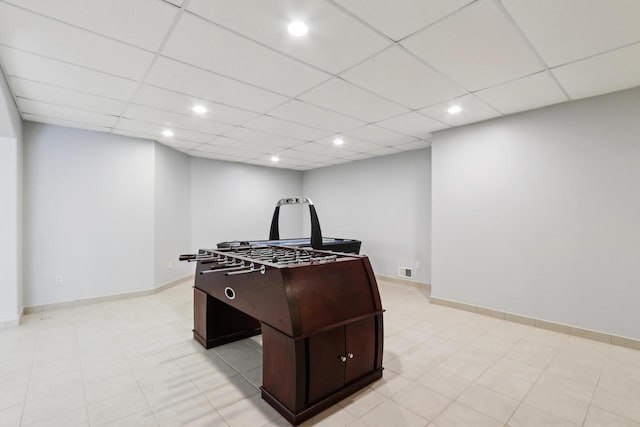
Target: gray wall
(537,214)
(10,122)
(172,225)
(385,202)
(10,208)
(234,201)
(89,204)
(111,214)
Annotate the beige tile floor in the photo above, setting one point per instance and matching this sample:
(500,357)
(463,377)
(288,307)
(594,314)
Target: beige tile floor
(133,363)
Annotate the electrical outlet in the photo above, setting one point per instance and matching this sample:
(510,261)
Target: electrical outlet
(418,265)
(170,265)
(59,280)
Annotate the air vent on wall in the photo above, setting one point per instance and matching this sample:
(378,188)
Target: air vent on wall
(405,272)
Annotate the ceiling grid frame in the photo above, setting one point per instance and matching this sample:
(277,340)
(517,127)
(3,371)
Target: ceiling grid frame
(400,127)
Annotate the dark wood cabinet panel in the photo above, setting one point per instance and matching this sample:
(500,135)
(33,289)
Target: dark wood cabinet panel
(283,365)
(361,348)
(326,364)
(200,314)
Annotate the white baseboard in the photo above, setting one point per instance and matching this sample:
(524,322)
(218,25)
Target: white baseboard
(402,281)
(105,298)
(543,324)
(12,323)
(172,283)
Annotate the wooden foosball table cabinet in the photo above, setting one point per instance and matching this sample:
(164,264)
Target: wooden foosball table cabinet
(319,313)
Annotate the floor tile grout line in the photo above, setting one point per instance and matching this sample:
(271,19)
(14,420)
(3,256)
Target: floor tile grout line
(84,388)
(593,394)
(26,394)
(137,383)
(522,401)
(474,382)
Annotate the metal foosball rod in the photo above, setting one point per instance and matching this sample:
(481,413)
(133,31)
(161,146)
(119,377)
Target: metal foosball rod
(252,269)
(220,270)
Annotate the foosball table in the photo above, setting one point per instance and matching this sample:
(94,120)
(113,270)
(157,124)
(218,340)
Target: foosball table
(319,313)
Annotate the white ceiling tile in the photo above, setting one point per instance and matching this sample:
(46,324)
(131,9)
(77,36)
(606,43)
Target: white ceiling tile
(563,31)
(285,128)
(56,73)
(173,120)
(154,131)
(176,144)
(217,156)
(473,110)
(335,162)
(68,98)
(65,123)
(413,124)
(36,34)
(335,40)
(196,82)
(211,149)
(255,136)
(609,72)
(379,135)
(325,149)
(359,156)
(399,18)
(65,113)
(477,47)
(137,134)
(386,151)
(181,145)
(351,144)
(413,146)
(310,115)
(183,104)
(308,167)
(342,97)
(400,77)
(235,56)
(143,23)
(292,164)
(283,163)
(527,93)
(246,146)
(304,156)
(227,147)
(263,161)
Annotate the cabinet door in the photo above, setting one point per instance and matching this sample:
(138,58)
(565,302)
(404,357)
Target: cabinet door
(361,348)
(326,368)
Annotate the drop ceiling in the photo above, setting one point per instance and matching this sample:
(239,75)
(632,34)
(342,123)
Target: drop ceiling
(380,74)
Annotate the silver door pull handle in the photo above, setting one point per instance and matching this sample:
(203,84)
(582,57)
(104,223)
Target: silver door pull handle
(343,359)
(350,355)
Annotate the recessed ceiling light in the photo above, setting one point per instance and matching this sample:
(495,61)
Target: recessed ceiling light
(298,28)
(338,141)
(454,109)
(199,109)
(167,133)
(274,159)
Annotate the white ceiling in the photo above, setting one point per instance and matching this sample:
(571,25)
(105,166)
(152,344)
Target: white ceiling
(381,74)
